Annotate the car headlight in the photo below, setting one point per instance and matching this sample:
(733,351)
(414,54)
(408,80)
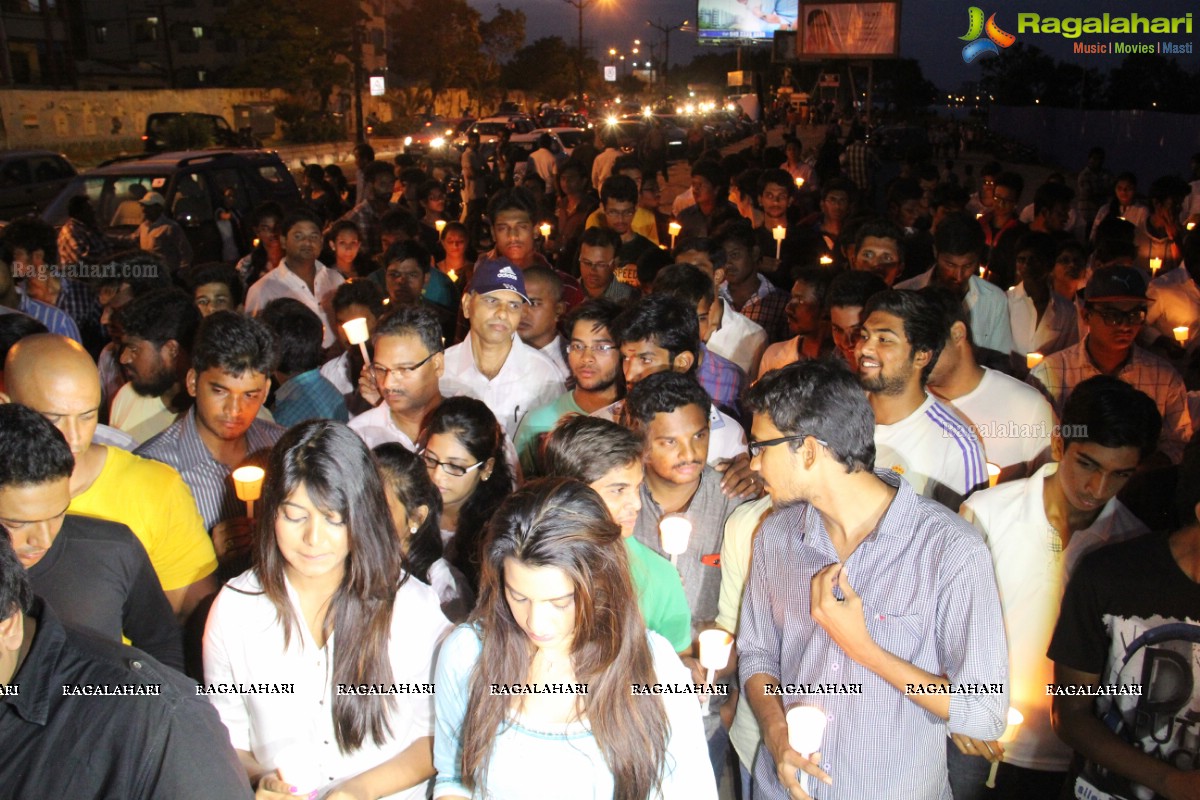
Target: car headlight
(437,141)
(407,141)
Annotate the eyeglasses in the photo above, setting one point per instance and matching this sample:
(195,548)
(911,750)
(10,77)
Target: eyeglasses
(382,373)
(756,448)
(602,349)
(456,470)
(1116,317)
(1001,200)
(585,264)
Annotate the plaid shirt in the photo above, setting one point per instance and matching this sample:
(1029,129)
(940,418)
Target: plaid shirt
(721,378)
(367,219)
(1059,374)
(768,307)
(80,244)
(306,396)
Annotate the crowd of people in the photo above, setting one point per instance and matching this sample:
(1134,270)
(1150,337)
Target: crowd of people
(390,505)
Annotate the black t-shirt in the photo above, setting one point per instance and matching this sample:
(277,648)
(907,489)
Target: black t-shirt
(135,745)
(632,250)
(97,577)
(1132,616)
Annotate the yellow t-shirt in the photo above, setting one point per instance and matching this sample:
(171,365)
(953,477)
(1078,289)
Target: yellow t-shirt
(152,499)
(643,223)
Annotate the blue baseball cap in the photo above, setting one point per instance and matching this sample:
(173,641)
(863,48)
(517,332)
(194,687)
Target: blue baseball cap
(498,275)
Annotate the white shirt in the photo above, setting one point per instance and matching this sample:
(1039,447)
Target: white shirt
(726,439)
(141,417)
(554,351)
(602,166)
(527,380)
(546,165)
(282,282)
(1012,419)
(1057,330)
(1031,578)
(934,451)
(988,307)
(1174,301)
(334,371)
(376,427)
(243,643)
(740,339)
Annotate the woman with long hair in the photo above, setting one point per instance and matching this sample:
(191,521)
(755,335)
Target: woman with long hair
(343,250)
(557,612)
(463,448)
(416,506)
(327,613)
(1123,204)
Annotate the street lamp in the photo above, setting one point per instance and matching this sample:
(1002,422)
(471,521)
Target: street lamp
(666,31)
(581,5)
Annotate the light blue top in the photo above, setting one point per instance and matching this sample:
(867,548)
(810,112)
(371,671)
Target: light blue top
(562,761)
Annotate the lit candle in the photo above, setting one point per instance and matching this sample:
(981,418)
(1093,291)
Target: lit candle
(452,275)
(982,270)
(1015,718)
(674,228)
(715,646)
(1033,359)
(799,183)
(440,225)
(247,482)
(1181,333)
(675,530)
(357,333)
(254,244)
(780,233)
(993,472)
(545,229)
(1155,265)
(979,215)
(826,261)
(806,727)
(1191,225)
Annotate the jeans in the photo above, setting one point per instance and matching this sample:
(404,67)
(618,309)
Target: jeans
(968,774)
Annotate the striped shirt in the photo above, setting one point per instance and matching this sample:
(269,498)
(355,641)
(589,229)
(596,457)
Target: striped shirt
(181,447)
(768,308)
(935,451)
(929,597)
(55,319)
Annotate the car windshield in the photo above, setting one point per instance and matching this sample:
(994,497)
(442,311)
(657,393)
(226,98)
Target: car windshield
(110,196)
(490,128)
(572,138)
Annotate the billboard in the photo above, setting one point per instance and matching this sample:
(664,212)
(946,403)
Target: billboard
(849,30)
(732,21)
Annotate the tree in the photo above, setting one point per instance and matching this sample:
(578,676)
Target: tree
(1151,81)
(294,44)
(1018,77)
(900,83)
(545,68)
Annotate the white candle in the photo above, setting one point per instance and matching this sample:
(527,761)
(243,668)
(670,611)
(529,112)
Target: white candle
(826,261)
(674,228)
(1191,226)
(1033,359)
(1181,333)
(357,333)
(806,727)
(1155,265)
(993,472)
(715,646)
(247,483)
(780,233)
(799,183)
(1015,718)
(675,530)
(440,225)
(545,229)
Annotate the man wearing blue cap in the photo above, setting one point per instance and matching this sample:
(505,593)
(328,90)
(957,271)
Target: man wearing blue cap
(492,364)
(1114,309)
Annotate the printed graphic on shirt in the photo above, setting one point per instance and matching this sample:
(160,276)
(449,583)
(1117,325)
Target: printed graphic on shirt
(1163,655)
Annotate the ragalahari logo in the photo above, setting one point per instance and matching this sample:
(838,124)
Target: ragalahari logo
(996,38)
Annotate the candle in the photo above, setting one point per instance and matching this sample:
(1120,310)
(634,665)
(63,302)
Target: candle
(1015,718)
(799,183)
(440,225)
(826,261)
(715,646)
(247,482)
(1191,225)
(780,233)
(254,244)
(806,727)
(675,530)
(993,472)
(674,228)
(452,275)
(1155,265)
(982,270)
(545,229)
(297,764)
(979,215)
(1033,359)
(1181,333)
(356,333)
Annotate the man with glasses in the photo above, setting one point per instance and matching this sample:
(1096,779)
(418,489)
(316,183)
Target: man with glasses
(1114,310)
(1002,228)
(407,365)
(595,364)
(958,247)
(859,584)
(877,248)
(597,264)
(618,200)
(300,275)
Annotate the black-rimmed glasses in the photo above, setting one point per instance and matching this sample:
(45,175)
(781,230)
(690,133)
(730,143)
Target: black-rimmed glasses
(756,448)
(381,372)
(456,470)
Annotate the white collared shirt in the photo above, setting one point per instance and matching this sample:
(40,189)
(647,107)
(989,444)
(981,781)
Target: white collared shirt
(554,351)
(527,380)
(377,427)
(282,282)
(1031,577)
(244,644)
(740,339)
(1174,301)
(987,305)
(1057,330)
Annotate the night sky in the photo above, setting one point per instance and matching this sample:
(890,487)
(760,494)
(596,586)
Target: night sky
(929,29)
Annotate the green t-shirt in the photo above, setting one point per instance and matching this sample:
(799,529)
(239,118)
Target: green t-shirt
(535,423)
(660,595)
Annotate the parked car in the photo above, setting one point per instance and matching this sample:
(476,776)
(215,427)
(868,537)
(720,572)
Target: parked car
(193,184)
(158,128)
(30,179)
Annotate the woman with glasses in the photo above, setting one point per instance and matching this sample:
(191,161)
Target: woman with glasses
(329,630)
(463,448)
(416,508)
(558,612)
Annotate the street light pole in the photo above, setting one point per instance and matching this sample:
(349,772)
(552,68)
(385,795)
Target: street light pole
(581,5)
(666,30)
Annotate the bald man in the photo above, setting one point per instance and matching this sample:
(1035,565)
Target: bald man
(57,378)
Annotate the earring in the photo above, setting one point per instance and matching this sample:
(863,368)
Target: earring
(412,529)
